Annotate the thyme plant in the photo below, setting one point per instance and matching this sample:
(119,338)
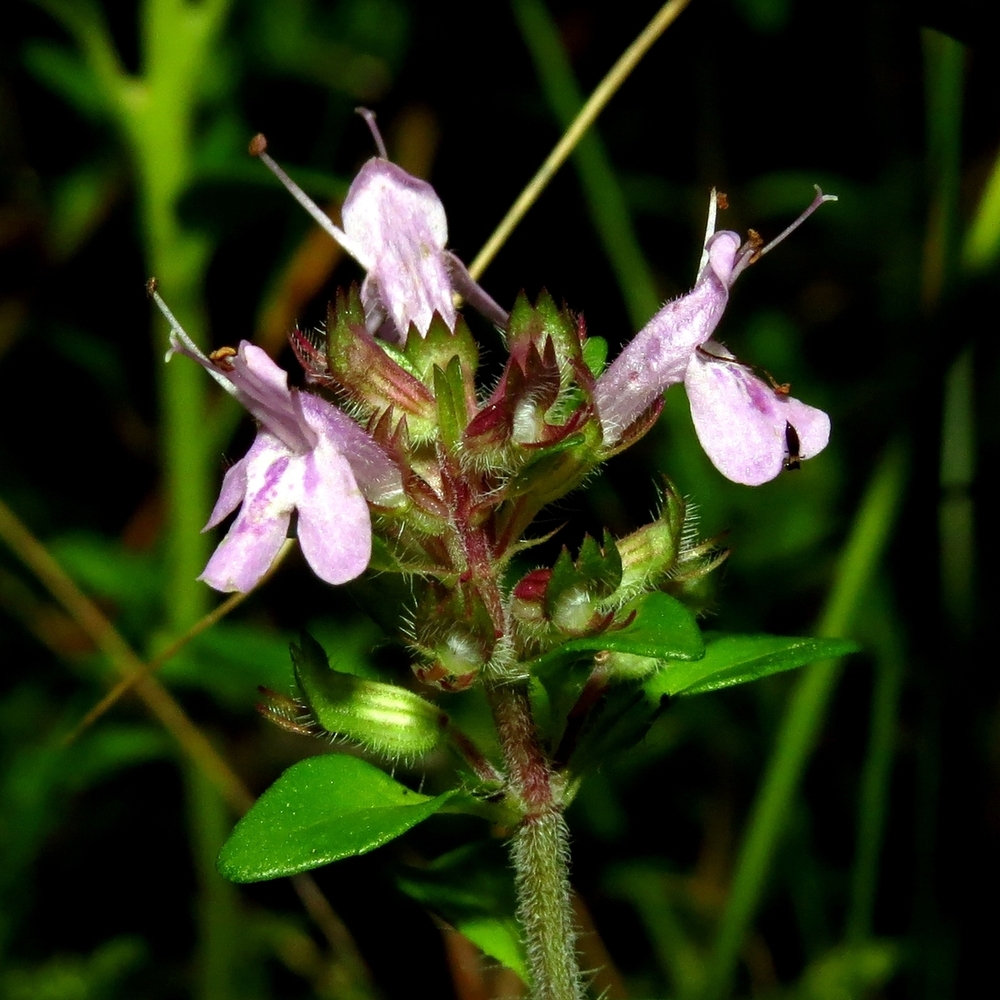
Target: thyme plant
(395,462)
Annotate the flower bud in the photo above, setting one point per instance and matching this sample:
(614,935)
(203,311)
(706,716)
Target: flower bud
(459,658)
(648,555)
(383,718)
(527,602)
(574,610)
(617,666)
(666,554)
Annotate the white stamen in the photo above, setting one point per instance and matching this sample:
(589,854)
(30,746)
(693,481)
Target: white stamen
(749,255)
(713,207)
(180,342)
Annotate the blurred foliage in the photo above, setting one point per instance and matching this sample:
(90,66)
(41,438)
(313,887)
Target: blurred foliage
(876,310)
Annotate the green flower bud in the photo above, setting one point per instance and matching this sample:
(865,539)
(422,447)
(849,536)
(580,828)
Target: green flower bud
(617,666)
(574,610)
(648,555)
(383,718)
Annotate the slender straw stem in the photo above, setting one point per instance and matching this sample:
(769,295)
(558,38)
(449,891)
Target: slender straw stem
(121,656)
(595,104)
(128,682)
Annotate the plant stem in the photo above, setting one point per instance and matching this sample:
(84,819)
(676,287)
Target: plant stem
(539,850)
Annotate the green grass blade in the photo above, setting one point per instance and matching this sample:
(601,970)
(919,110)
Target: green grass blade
(869,536)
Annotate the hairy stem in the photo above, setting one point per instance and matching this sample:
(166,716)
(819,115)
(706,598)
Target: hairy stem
(539,851)
(540,854)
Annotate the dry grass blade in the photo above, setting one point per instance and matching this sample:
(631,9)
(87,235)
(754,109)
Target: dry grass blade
(128,682)
(169,713)
(105,636)
(603,93)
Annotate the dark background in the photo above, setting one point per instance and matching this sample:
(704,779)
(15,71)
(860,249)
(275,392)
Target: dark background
(104,887)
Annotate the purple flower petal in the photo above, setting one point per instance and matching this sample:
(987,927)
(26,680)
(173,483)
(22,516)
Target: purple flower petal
(334,526)
(262,387)
(747,428)
(399,223)
(253,378)
(234,488)
(658,355)
(742,422)
(307,456)
(253,541)
(377,475)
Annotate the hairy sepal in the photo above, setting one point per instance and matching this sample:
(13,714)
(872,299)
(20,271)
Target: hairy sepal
(384,719)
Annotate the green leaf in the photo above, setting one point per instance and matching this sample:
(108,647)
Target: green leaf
(439,347)
(595,354)
(600,566)
(472,888)
(321,810)
(662,628)
(553,694)
(563,579)
(736,659)
(620,722)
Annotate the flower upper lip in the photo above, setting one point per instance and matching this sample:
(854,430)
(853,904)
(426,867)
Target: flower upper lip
(400,226)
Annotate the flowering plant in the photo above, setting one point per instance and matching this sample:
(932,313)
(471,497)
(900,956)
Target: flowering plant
(796,836)
(395,461)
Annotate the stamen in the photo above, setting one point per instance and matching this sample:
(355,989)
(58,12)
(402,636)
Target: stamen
(178,330)
(780,388)
(258,148)
(369,117)
(713,206)
(221,357)
(180,341)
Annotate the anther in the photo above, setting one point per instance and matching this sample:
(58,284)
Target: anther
(221,358)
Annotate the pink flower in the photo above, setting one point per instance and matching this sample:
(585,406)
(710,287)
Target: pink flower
(398,227)
(748,428)
(308,457)
(395,227)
